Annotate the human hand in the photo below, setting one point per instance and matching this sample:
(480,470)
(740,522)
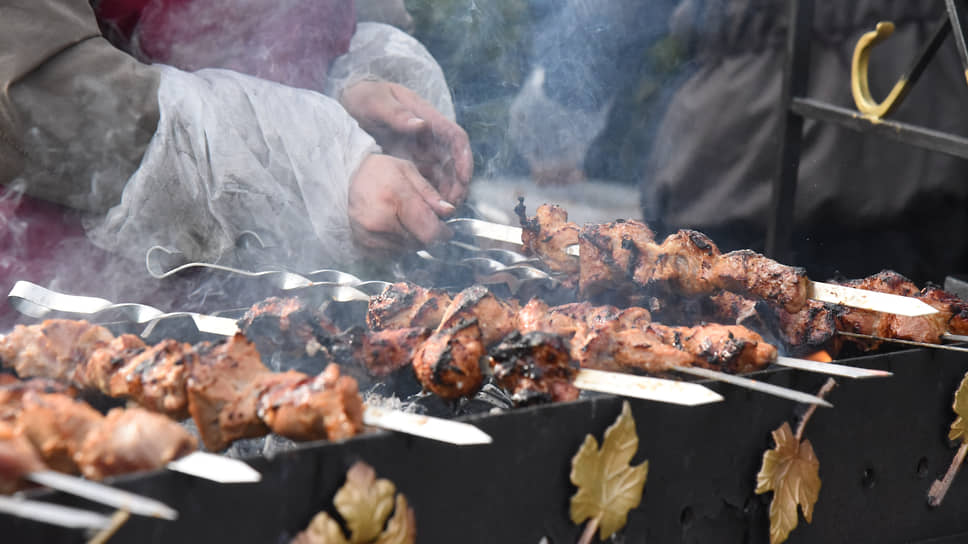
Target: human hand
(408,127)
(392,207)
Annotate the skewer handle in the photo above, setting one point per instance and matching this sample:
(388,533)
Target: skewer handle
(940,487)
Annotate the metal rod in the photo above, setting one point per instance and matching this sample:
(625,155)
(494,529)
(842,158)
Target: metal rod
(54,514)
(957,17)
(913,135)
(97,492)
(833,369)
(754,385)
(905,342)
(954,337)
(795,78)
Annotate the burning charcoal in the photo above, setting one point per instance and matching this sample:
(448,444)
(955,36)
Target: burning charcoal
(534,367)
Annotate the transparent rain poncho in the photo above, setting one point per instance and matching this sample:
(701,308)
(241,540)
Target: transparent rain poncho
(234,153)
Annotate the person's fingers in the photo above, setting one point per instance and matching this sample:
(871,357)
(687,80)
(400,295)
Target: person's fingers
(427,192)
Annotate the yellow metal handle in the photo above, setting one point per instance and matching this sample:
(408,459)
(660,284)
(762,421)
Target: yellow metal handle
(859,85)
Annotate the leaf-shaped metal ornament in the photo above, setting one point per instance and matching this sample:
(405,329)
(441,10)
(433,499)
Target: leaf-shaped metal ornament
(958,431)
(608,487)
(365,503)
(959,427)
(792,471)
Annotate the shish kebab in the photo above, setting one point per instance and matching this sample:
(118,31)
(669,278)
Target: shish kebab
(31,446)
(533,365)
(393,346)
(223,386)
(625,252)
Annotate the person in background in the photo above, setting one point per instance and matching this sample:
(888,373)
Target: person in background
(863,203)
(587,59)
(201,120)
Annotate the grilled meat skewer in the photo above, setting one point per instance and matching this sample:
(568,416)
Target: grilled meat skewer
(224,387)
(625,253)
(70,436)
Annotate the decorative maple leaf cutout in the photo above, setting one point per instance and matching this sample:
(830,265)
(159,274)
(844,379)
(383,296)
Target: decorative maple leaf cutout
(607,486)
(792,472)
(959,428)
(364,503)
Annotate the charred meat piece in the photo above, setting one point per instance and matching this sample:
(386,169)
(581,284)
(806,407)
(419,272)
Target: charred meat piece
(496,318)
(886,281)
(748,273)
(615,255)
(52,348)
(56,425)
(949,304)
(730,348)
(548,235)
(534,367)
(105,361)
(285,324)
(327,406)
(12,391)
(812,328)
(681,264)
(155,378)
(612,348)
(448,363)
(17,458)
(132,440)
(220,399)
(404,305)
(386,351)
(929,328)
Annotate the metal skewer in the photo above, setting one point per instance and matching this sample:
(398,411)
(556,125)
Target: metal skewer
(54,514)
(98,492)
(832,368)
(754,385)
(905,342)
(824,292)
(954,337)
(645,387)
(434,428)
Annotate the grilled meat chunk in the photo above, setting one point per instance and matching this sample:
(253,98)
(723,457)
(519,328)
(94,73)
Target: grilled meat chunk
(681,264)
(496,318)
(12,391)
(403,305)
(56,425)
(534,367)
(132,440)
(284,324)
(155,378)
(326,406)
(955,309)
(448,363)
(52,348)
(731,348)
(17,458)
(549,234)
(105,361)
(748,273)
(615,255)
(220,393)
(385,351)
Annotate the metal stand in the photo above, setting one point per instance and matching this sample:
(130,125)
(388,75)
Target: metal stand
(868,118)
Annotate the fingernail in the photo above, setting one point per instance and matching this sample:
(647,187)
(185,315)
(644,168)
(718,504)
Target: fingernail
(444,204)
(414,121)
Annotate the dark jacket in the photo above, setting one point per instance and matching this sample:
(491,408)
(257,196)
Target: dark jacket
(863,202)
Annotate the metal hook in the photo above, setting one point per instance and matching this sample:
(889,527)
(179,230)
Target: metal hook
(859,85)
